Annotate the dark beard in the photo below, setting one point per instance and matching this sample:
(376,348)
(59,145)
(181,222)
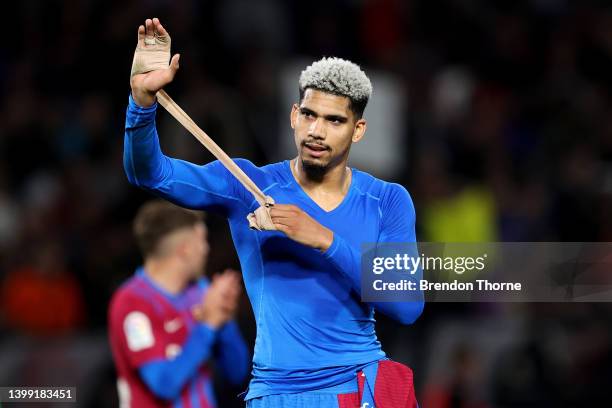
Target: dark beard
(314,172)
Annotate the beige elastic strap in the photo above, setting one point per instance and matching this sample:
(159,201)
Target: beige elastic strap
(156,55)
(260,219)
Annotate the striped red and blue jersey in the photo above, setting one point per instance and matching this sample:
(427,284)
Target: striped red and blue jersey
(162,354)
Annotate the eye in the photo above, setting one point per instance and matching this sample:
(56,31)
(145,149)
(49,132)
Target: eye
(336,120)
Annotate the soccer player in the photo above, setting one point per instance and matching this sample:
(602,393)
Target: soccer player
(167,321)
(314,335)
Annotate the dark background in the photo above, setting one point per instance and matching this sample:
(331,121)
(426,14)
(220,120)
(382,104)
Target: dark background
(508,137)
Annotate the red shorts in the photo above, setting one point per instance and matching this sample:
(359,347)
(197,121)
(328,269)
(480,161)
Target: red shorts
(393,388)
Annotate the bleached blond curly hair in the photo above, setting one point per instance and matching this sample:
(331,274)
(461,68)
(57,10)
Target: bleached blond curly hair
(339,77)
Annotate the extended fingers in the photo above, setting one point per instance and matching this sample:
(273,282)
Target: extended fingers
(284,211)
(149,31)
(284,216)
(284,228)
(286,207)
(159,28)
(141,36)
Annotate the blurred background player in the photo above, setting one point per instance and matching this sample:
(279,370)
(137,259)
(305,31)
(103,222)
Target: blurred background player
(314,334)
(167,322)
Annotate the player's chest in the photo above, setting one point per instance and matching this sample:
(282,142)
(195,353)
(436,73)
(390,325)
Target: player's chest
(355,217)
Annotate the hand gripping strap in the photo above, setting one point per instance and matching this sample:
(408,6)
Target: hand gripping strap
(260,219)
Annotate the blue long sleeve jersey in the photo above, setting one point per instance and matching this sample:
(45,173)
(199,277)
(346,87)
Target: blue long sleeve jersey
(313,331)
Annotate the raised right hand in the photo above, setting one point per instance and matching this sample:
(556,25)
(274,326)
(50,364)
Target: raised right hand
(145,85)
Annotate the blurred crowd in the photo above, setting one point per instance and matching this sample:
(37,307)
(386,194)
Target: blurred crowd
(508,138)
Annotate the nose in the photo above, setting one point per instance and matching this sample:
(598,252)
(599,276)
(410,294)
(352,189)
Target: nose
(317,129)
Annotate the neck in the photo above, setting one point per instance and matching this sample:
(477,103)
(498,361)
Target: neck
(166,274)
(331,180)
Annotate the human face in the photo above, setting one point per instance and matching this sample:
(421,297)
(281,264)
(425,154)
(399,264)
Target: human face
(324,129)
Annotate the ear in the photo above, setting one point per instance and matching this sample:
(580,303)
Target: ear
(182,248)
(183,243)
(295,110)
(360,128)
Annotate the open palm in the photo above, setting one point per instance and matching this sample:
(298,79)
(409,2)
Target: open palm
(150,71)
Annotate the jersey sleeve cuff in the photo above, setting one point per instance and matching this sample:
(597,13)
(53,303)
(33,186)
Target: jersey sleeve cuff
(137,114)
(329,253)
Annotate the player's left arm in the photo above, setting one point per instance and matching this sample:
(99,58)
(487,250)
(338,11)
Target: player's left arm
(397,225)
(231,353)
